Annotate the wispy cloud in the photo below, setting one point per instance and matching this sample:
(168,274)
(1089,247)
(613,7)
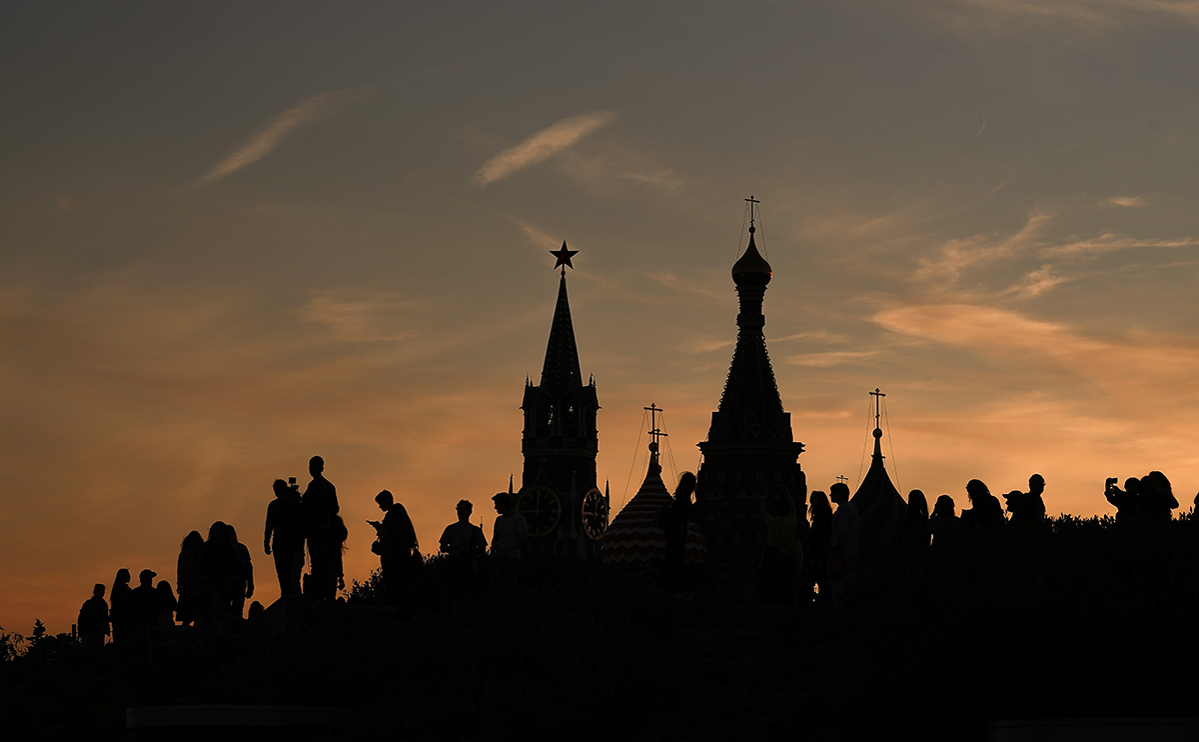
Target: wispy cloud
(830,359)
(357,319)
(270,136)
(1012,16)
(542,145)
(1128,202)
(1037,282)
(672,280)
(1136,367)
(610,172)
(1109,242)
(956,256)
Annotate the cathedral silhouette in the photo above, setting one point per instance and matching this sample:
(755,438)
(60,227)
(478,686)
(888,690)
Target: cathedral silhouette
(749,457)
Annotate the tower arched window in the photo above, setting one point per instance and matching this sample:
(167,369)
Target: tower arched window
(570,416)
(544,416)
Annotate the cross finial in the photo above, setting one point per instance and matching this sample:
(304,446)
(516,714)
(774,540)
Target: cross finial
(751,201)
(654,433)
(877,398)
(842,478)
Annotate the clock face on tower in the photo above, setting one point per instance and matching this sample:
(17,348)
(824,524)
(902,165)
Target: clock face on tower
(595,514)
(542,509)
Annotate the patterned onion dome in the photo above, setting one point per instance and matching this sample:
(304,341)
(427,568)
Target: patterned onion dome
(634,540)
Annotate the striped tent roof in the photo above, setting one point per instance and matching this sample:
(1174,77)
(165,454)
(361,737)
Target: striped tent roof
(632,538)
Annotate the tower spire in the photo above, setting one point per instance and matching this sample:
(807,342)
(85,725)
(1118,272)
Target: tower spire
(750,456)
(561,368)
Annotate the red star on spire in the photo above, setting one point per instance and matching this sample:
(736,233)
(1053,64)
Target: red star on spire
(564,256)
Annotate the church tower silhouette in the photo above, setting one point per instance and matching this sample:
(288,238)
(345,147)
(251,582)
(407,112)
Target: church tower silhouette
(560,443)
(750,455)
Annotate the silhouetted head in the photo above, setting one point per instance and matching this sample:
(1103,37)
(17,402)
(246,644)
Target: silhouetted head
(1013,496)
(1132,485)
(229,529)
(98,590)
(218,533)
(193,540)
(917,502)
(385,500)
(164,587)
(819,506)
(280,488)
(945,507)
(838,492)
(464,509)
(1158,479)
(123,577)
(146,578)
(1036,484)
(686,486)
(503,503)
(316,465)
(256,610)
(976,489)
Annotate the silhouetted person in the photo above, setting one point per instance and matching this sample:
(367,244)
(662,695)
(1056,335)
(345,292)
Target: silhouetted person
(222,572)
(463,543)
(167,604)
(189,579)
(1127,500)
(820,537)
(1028,507)
(243,587)
(283,525)
(1157,497)
(144,601)
(396,545)
(843,547)
(318,506)
(93,620)
(121,614)
(508,538)
(915,530)
(675,519)
(985,512)
(944,525)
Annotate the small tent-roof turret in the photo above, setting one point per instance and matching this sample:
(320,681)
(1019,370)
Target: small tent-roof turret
(634,538)
(879,504)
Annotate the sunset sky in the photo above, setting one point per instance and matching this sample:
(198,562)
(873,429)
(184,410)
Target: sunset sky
(234,235)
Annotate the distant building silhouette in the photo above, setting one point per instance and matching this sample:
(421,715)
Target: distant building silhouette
(560,442)
(879,504)
(750,453)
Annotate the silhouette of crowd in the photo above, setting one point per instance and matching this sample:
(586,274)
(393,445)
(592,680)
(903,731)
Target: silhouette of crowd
(215,574)
(810,553)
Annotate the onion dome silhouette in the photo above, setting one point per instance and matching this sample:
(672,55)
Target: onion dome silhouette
(751,269)
(880,506)
(633,538)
